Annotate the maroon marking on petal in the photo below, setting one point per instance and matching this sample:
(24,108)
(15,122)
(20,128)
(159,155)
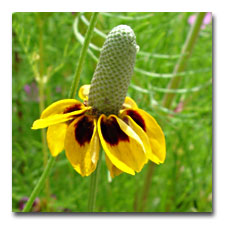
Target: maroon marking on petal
(125,119)
(84,130)
(137,118)
(112,132)
(72,108)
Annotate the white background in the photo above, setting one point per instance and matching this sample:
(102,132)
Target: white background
(218,10)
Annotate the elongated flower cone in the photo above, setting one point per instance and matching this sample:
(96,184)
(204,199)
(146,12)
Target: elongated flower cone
(114,71)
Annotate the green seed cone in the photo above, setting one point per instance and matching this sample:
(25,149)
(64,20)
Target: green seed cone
(114,71)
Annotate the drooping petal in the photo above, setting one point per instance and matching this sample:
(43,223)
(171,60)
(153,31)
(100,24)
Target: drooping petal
(55,119)
(84,91)
(142,135)
(59,112)
(129,103)
(114,171)
(121,144)
(56,137)
(62,107)
(82,145)
(153,131)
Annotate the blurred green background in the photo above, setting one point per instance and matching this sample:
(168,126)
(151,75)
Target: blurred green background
(48,45)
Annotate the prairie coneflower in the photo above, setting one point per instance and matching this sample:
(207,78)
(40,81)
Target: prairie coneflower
(129,136)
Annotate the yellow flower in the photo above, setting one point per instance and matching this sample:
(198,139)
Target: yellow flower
(129,136)
(128,139)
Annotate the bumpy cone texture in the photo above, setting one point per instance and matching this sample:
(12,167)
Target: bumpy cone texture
(114,71)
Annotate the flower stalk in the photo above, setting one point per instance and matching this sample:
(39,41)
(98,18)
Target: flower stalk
(168,97)
(39,185)
(83,55)
(182,62)
(72,93)
(41,88)
(93,186)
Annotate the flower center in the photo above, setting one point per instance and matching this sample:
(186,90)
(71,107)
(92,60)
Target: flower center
(114,71)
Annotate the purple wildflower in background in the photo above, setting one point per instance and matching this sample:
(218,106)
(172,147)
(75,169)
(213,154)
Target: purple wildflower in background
(179,107)
(22,203)
(207,19)
(32,92)
(36,207)
(27,88)
(58,89)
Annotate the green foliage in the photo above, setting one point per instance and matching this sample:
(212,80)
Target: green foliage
(184,182)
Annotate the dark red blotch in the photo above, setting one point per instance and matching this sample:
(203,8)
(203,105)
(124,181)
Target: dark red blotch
(137,118)
(84,130)
(112,132)
(72,108)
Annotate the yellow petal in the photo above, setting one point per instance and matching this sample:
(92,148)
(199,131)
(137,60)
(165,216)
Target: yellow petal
(114,171)
(153,131)
(62,106)
(129,103)
(121,144)
(55,138)
(82,145)
(84,91)
(139,131)
(143,136)
(56,118)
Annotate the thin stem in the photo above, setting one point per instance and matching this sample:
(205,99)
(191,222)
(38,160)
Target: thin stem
(93,186)
(41,86)
(39,185)
(147,185)
(173,84)
(83,55)
(46,171)
(182,62)
(43,139)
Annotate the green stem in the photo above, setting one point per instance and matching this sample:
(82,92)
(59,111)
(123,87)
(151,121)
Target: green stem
(93,186)
(173,84)
(83,55)
(146,186)
(43,140)
(182,62)
(39,185)
(41,86)
(46,171)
